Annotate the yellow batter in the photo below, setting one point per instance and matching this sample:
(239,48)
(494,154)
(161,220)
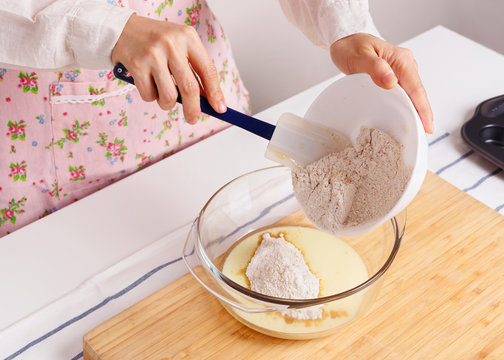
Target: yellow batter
(335,263)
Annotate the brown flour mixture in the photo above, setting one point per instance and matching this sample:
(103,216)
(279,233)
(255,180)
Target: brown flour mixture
(354,186)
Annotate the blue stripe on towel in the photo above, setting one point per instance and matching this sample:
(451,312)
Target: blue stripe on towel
(78,356)
(483,179)
(438,139)
(467,154)
(93,309)
(499,208)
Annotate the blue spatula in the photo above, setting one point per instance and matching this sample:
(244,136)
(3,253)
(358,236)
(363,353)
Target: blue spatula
(294,141)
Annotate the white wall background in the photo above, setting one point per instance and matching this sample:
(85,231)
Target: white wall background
(276,61)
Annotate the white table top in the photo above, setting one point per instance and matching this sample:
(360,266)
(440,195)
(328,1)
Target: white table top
(42,262)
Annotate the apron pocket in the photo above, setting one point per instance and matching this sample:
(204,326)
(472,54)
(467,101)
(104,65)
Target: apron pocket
(89,134)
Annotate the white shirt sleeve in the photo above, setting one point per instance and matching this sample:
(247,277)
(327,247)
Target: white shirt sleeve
(59,34)
(326,21)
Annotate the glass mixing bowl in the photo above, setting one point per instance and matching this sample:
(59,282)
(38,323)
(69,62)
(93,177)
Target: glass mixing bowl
(258,200)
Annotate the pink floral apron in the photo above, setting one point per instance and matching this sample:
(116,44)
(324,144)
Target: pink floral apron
(68,134)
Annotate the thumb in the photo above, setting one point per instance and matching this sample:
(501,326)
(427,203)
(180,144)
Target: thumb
(379,70)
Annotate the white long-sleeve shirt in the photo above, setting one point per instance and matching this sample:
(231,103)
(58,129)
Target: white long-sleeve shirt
(64,34)
(326,21)
(59,34)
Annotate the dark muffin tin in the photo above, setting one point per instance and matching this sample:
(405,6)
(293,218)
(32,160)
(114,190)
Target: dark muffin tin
(484,132)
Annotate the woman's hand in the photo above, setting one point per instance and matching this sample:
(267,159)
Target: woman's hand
(153,51)
(387,65)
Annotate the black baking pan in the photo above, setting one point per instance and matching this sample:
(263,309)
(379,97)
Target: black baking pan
(484,132)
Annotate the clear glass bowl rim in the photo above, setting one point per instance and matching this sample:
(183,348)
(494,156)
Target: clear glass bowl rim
(294,303)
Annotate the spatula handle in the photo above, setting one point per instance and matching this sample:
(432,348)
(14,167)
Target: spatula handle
(256,126)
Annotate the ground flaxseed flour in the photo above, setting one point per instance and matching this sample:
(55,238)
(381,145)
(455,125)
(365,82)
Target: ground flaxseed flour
(354,186)
(278,269)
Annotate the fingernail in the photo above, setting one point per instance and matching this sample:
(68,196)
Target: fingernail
(389,79)
(221,107)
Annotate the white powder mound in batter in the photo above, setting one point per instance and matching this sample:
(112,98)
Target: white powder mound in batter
(354,186)
(279,269)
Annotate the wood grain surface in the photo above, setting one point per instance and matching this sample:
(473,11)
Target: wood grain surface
(443,298)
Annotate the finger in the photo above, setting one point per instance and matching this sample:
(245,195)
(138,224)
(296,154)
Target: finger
(143,79)
(202,91)
(144,83)
(406,69)
(188,87)
(205,68)
(378,68)
(167,93)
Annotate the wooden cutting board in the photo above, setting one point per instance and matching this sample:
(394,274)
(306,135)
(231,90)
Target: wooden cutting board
(443,298)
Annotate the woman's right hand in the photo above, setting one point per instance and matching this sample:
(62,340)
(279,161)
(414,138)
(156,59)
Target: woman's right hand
(153,51)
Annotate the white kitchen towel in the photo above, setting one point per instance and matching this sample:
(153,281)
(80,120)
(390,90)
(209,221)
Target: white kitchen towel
(452,159)
(55,332)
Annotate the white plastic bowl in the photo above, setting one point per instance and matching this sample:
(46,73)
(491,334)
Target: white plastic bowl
(355,101)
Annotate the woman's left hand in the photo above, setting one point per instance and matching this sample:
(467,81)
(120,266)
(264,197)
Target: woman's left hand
(387,65)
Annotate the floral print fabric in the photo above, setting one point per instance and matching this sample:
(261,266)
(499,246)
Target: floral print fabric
(68,134)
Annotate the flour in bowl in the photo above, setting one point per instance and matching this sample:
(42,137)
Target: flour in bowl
(278,269)
(354,186)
